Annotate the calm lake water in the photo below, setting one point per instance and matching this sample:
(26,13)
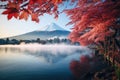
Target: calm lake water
(38,62)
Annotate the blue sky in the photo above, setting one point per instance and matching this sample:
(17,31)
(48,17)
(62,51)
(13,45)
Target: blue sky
(16,27)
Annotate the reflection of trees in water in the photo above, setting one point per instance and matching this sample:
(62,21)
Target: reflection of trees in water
(9,49)
(6,49)
(50,57)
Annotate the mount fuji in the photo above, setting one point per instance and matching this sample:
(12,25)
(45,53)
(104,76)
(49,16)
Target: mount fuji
(46,32)
(51,27)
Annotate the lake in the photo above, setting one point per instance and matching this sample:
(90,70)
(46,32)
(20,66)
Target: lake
(38,62)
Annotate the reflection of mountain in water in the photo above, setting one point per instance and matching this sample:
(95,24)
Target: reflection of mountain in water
(50,54)
(52,58)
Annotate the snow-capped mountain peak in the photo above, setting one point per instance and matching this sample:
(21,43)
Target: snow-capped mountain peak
(46,32)
(51,27)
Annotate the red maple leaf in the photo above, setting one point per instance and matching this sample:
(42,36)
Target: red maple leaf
(12,12)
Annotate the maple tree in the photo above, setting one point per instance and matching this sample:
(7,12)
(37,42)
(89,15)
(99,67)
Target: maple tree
(97,22)
(94,20)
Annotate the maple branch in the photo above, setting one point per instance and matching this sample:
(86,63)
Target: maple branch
(24,5)
(40,11)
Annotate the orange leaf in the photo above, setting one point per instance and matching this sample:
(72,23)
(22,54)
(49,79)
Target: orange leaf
(13,5)
(24,15)
(35,17)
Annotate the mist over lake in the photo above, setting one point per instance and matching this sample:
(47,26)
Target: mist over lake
(38,62)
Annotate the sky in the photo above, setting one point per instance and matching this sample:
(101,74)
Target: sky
(15,27)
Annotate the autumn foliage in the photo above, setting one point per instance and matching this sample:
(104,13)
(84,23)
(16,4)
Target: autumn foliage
(22,9)
(94,20)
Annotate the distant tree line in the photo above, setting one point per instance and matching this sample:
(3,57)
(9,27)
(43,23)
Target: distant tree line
(38,40)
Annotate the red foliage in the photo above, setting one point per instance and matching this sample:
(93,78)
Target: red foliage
(11,13)
(35,1)
(24,15)
(12,10)
(33,8)
(93,20)
(35,17)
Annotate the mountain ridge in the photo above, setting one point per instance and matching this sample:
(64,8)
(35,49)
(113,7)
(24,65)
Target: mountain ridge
(46,33)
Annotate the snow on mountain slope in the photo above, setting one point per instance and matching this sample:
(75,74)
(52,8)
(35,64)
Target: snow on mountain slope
(51,27)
